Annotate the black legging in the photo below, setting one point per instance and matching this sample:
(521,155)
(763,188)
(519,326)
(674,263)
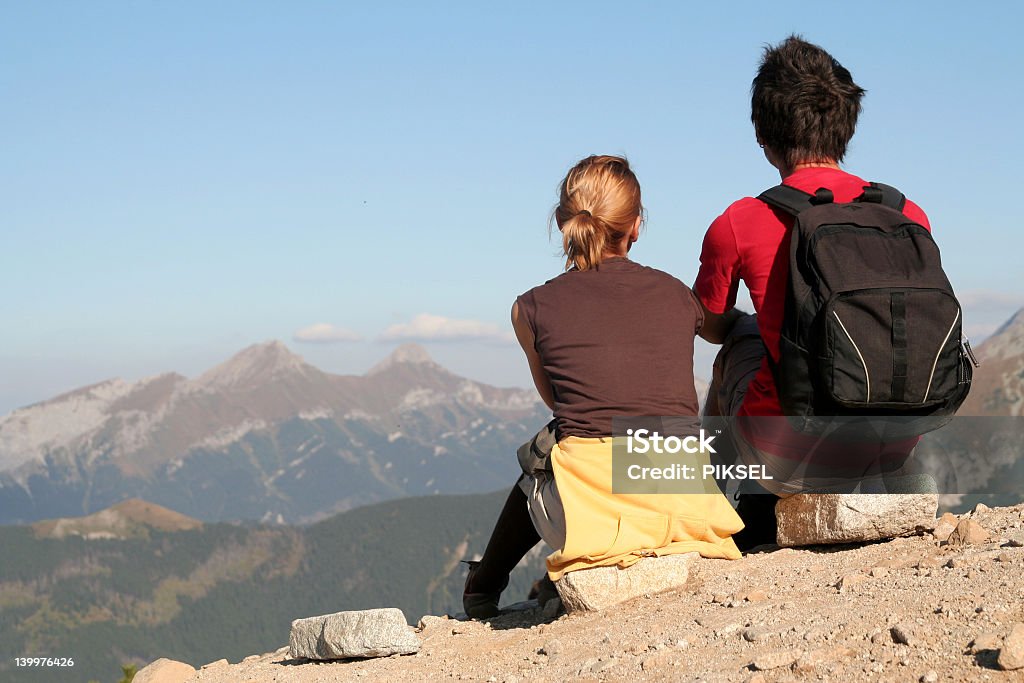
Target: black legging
(513,537)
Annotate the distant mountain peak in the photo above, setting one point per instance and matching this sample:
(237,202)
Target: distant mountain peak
(132,518)
(254,363)
(1007,341)
(409,353)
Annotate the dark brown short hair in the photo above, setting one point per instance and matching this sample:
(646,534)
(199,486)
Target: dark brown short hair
(804,104)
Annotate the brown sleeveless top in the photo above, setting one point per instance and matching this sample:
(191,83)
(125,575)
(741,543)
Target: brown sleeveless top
(615,341)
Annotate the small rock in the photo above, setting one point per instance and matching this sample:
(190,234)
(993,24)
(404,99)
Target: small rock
(879,572)
(848,582)
(1011,654)
(250,658)
(366,633)
(814,659)
(429,621)
(1015,541)
(551,648)
(720,598)
(757,677)
(814,634)
(929,562)
(214,665)
(967,532)
(727,630)
(602,666)
(929,677)
(660,660)
(902,634)
(552,608)
(1003,557)
(980,508)
(601,587)
(944,527)
(756,595)
(986,641)
(165,670)
(775,660)
(752,634)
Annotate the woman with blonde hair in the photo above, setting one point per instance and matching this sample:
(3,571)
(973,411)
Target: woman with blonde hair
(607,338)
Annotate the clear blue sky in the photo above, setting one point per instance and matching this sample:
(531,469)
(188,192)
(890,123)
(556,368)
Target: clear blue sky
(181,179)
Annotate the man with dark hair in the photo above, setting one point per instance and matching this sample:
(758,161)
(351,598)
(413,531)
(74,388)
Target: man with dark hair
(804,108)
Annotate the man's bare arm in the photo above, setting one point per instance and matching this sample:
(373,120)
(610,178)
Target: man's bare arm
(717,325)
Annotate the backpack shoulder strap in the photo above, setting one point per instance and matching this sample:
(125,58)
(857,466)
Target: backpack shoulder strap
(786,198)
(886,195)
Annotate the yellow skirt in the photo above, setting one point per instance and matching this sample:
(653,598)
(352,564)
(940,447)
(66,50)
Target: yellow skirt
(604,528)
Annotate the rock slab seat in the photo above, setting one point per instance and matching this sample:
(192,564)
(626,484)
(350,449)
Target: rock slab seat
(588,590)
(821,518)
(366,633)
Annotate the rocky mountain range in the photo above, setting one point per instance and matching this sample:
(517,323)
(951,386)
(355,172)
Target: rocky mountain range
(264,436)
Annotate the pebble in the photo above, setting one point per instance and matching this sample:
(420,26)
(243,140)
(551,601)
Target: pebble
(986,641)
(1011,654)
(929,562)
(1015,541)
(219,662)
(929,677)
(752,634)
(775,660)
(879,572)
(429,620)
(814,634)
(551,648)
(847,583)
(757,595)
(901,634)
(727,630)
(603,665)
(967,532)
(944,526)
(552,608)
(1003,557)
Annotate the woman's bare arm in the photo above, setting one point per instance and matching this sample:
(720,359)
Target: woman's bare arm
(540,378)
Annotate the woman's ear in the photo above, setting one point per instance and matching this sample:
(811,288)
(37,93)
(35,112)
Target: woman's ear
(634,234)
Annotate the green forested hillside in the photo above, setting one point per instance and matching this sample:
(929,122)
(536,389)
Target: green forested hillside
(229,591)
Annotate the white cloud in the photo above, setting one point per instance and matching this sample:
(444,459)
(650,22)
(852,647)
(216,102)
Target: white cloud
(325,333)
(990,300)
(427,327)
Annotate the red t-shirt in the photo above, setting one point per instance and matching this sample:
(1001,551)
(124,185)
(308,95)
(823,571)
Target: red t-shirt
(750,242)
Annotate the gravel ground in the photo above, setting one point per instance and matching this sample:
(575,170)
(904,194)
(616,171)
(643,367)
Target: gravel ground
(910,609)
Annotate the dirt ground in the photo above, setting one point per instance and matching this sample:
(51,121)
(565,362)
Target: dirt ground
(910,609)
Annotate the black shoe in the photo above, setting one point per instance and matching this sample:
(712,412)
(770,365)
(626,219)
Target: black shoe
(757,510)
(480,605)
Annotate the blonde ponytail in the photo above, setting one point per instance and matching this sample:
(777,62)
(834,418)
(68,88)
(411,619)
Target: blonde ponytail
(599,202)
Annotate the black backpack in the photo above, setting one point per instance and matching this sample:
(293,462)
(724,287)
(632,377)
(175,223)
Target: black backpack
(871,327)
